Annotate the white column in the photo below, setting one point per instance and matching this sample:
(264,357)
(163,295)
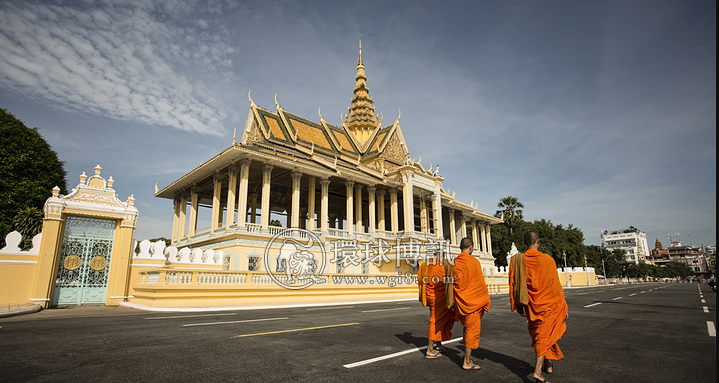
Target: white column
(350,217)
(311,203)
(489,239)
(423,217)
(324,203)
(216,190)
(296,177)
(380,209)
(231,196)
(193,212)
(242,195)
(475,237)
(176,219)
(484,238)
(452,226)
(371,210)
(463,226)
(266,184)
(358,208)
(408,202)
(183,217)
(394,214)
(437,213)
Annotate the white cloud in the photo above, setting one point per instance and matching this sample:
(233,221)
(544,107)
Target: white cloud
(117,60)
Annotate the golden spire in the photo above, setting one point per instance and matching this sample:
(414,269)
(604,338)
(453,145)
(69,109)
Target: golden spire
(361,119)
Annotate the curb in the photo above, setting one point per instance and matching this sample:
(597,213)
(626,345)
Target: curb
(26,310)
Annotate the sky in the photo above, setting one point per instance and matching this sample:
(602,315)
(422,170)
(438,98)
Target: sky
(599,114)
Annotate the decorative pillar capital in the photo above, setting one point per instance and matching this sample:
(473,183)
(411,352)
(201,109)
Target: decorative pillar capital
(296,175)
(324,182)
(349,184)
(381,192)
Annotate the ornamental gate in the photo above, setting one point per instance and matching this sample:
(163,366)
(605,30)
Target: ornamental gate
(84,263)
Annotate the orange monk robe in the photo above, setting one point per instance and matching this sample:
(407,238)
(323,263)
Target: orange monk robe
(441,319)
(471,297)
(547,309)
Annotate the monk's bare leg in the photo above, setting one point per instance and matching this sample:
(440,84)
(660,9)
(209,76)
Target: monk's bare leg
(430,347)
(468,364)
(538,368)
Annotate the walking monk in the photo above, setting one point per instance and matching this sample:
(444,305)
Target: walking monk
(546,310)
(441,319)
(471,299)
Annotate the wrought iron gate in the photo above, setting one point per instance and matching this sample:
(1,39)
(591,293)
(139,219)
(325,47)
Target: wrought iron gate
(84,263)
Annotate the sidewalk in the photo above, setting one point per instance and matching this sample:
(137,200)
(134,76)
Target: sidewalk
(8,310)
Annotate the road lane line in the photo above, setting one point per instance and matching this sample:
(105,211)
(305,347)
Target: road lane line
(235,321)
(614,299)
(396,354)
(632,294)
(642,292)
(191,316)
(711,329)
(374,311)
(296,329)
(330,308)
(706,309)
(593,304)
(704,301)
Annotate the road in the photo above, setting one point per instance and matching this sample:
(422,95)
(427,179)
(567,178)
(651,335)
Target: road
(626,333)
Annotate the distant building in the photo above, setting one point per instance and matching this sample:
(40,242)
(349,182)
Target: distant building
(634,244)
(659,255)
(690,255)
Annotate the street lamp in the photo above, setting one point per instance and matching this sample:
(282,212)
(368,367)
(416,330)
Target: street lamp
(566,273)
(586,269)
(604,271)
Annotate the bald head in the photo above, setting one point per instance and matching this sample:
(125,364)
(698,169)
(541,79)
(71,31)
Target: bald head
(531,238)
(465,244)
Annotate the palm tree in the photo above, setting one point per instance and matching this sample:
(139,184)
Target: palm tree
(511,212)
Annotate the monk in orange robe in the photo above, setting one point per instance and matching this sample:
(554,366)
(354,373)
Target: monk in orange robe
(547,310)
(471,299)
(441,319)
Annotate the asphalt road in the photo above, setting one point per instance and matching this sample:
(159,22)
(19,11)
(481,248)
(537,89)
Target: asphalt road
(635,333)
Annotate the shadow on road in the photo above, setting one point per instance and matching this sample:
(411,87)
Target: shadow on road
(518,367)
(456,354)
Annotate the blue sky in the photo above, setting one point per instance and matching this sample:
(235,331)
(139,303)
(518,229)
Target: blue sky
(599,114)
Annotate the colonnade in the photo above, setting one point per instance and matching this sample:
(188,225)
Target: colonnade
(240,199)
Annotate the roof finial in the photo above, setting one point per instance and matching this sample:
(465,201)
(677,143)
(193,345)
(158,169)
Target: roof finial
(359,63)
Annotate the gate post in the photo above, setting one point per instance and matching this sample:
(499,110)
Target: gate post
(118,283)
(52,226)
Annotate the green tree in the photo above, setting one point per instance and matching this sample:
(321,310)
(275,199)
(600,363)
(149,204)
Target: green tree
(29,169)
(28,222)
(511,211)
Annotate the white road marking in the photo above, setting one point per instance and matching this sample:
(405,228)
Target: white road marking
(329,308)
(633,294)
(614,299)
(593,304)
(374,311)
(642,292)
(706,309)
(704,301)
(396,354)
(236,321)
(191,316)
(711,329)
